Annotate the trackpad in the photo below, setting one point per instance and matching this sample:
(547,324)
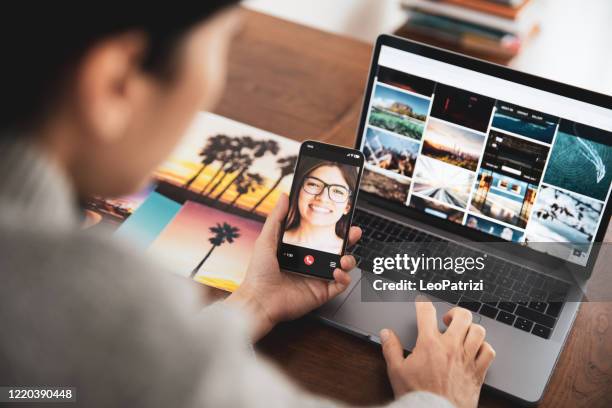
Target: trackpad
(370,317)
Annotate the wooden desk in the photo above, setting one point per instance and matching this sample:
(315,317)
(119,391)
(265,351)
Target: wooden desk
(303,83)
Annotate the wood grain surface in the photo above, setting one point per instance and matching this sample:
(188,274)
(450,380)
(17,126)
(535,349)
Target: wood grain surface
(302,83)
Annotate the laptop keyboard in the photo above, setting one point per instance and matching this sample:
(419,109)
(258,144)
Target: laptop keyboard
(531,301)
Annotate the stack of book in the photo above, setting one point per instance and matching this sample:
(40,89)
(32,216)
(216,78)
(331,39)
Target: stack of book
(491,29)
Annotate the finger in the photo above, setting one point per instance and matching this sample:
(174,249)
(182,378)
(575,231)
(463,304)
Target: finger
(271,228)
(354,235)
(426,318)
(348,262)
(484,358)
(341,281)
(458,321)
(474,339)
(392,348)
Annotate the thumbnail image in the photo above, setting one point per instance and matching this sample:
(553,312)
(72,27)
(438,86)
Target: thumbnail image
(436,209)
(399,112)
(443,182)
(453,145)
(525,122)
(462,107)
(580,164)
(201,242)
(515,157)
(561,216)
(503,198)
(405,81)
(492,228)
(390,152)
(112,212)
(388,185)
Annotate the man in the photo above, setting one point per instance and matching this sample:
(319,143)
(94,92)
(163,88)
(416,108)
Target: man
(95,100)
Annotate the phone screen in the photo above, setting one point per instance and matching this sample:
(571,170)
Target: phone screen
(321,206)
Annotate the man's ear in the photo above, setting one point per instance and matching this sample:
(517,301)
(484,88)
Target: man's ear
(109,85)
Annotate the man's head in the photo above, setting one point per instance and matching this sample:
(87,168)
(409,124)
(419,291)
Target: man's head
(109,92)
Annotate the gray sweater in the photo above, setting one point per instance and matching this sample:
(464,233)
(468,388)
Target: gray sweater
(79,309)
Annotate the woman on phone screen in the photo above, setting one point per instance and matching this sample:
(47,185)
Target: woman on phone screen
(318,215)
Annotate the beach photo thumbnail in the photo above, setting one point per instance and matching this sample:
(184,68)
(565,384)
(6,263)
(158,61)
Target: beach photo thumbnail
(515,157)
(525,122)
(503,198)
(390,152)
(386,185)
(399,112)
(405,81)
(462,107)
(580,161)
(493,228)
(436,209)
(453,145)
(562,216)
(443,182)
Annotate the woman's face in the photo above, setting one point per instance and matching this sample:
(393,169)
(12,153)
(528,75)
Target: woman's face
(319,209)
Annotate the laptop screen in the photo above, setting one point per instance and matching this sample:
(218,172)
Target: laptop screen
(515,162)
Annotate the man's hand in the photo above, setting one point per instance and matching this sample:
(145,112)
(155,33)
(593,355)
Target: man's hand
(271,295)
(452,364)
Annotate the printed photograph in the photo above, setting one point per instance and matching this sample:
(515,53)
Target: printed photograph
(462,107)
(112,212)
(436,209)
(386,185)
(453,145)
(561,216)
(492,228)
(525,122)
(201,242)
(515,157)
(503,198)
(445,183)
(399,112)
(581,160)
(405,81)
(210,200)
(390,152)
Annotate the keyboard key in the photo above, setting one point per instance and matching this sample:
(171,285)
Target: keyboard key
(537,317)
(446,295)
(539,306)
(517,273)
(379,236)
(469,304)
(541,331)
(539,294)
(503,293)
(521,287)
(488,311)
(489,276)
(507,306)
(505,282)
(523,324)
(505,317)
(554,308)
(534,280)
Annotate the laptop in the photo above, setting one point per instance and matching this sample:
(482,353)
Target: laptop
(465,157)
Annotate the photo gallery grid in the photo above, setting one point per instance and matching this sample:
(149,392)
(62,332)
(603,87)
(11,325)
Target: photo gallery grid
(481,162)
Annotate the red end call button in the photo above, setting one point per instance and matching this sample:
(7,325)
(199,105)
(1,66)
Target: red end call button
(309,260)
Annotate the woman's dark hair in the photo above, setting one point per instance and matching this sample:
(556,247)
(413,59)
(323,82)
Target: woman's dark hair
(41,43)
(307,166)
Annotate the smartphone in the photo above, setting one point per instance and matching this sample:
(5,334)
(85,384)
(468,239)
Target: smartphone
(321,206)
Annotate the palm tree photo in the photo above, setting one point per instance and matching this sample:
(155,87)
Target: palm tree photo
(221,233)
(248,183)
(286,165)
(209,154)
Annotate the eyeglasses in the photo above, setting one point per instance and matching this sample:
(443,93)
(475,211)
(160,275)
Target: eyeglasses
(336,192)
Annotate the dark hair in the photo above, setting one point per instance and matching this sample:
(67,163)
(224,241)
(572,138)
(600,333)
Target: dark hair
(41,44)
(307,166)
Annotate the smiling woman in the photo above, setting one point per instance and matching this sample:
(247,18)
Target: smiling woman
(318,212)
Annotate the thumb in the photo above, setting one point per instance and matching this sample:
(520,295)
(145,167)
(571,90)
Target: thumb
(271,229)
(391,347)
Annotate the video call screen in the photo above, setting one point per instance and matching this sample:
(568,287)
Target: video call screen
(322,198)
(471,159)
